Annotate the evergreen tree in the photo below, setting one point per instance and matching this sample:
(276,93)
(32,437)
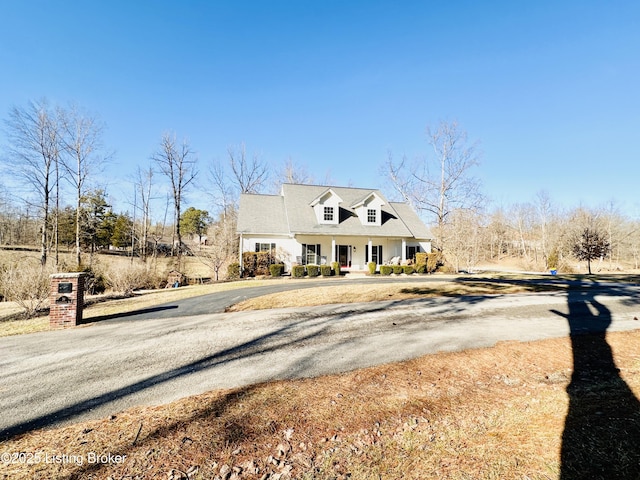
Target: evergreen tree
(121,236)
(195,222)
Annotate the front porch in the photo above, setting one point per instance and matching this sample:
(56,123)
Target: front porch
(354,253)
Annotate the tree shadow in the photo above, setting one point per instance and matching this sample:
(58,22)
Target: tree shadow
(141,311)
(601,438)
(289,334)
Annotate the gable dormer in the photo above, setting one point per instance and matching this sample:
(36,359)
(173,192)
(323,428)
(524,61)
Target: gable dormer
(369,209)
(327,207)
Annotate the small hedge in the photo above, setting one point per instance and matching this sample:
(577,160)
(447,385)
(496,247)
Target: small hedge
(408,269)
(297,271)
(325,270)
(276,270)
(313,270)
(372,268)
(397,269)
(386,269)
(434,260)
(336,268)
(421,269)
(421,258)
(233,271)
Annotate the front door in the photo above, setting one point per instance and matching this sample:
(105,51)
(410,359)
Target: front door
(344,255)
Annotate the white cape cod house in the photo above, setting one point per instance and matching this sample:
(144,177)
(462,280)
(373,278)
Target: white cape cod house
(313,224)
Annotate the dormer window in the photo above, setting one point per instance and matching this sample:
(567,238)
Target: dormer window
(326,207)
(369,209)
(328,214)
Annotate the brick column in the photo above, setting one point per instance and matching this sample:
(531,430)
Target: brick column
(66,300)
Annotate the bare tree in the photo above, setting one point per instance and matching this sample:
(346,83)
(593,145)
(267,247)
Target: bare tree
(464,239)
(222,243)
(143,185)
(82,142)
(497,234)
(34,148)
(442,183)
(614,223)
(177,163)
(222,193)
(222,238)
(544,209)
(250,175)
(522,217)
(292,172)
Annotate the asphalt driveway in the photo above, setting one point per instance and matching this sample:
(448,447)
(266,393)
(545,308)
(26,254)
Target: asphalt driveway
(51,378)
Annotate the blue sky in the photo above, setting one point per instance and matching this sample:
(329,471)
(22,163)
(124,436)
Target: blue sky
(550,89)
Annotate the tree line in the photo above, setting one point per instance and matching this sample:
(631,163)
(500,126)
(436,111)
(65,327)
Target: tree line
(539,234)
(54,155)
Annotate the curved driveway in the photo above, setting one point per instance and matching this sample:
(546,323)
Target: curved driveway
(191,347)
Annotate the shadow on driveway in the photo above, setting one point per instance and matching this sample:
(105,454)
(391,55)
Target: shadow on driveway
(292,333)
(601,438)
(142,311)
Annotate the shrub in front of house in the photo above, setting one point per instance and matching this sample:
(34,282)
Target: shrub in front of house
(233,271)
(398,269)
(313,270)
(325,270)
(264,260)
(386,269)
(249,262)
(336,268)
(276,270)
(372,268)
(421,268)
(421,258)
(297,271)
(434,260)
(408,269)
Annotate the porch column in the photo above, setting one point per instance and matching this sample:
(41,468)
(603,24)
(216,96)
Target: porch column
(333,249)
(370,251)
(240,262)
(404,250)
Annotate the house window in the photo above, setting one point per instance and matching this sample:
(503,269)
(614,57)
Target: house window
(311,254)
(328,214)
(376,254)
(266,247)
(371,215)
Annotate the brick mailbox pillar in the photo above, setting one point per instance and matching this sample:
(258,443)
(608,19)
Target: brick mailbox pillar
(66,299)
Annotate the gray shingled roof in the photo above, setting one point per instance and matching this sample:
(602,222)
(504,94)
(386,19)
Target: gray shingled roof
(262,214)
(292,214)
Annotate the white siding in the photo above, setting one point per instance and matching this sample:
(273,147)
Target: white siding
(289,250)
(284,247)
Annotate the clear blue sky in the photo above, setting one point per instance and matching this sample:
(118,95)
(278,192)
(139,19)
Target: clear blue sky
(550,89)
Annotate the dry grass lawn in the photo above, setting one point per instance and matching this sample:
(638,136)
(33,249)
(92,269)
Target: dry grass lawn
(101,306)
(350,293)
(495,413)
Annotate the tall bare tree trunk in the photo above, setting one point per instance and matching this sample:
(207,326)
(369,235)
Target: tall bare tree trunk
(178,165)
